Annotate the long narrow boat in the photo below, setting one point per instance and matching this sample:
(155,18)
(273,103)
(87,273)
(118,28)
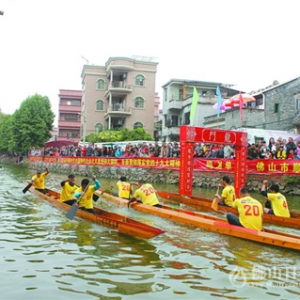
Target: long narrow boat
(205,204)
(267,236)
(117,222)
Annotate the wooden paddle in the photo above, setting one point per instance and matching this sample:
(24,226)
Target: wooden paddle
(95,197)
(27,187)
(215,202)
(73,210)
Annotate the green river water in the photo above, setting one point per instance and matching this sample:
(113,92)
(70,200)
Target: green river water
(46,256)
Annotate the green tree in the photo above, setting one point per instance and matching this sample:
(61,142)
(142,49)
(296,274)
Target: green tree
(2,115)
(119,135)
(139,134)
(92,138)
(6,134)
(32,123)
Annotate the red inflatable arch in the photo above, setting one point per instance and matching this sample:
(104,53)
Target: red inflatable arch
(189,135)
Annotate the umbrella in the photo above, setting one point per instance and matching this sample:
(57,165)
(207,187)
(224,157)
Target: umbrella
(60,143)
(246,98)
(227,104)
(222,107)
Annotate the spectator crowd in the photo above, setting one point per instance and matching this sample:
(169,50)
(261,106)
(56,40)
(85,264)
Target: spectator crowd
(279,149)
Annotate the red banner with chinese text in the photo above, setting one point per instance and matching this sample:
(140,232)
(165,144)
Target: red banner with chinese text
(186,173)
(255,166)
(139,162)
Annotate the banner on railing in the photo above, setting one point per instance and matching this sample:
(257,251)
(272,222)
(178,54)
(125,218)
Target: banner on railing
(255,166)
(139,162)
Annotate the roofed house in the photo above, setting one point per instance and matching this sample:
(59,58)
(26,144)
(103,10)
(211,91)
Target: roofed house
(277,107)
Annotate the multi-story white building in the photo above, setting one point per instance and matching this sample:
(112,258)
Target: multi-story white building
(119,94)
(177,101)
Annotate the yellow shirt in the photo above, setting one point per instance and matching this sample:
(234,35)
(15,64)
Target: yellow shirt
(87,199)
(147,194)
(39,181)
(67,192)
(250,212)
(279,205)
(281,154)
(229,194)
(124,189)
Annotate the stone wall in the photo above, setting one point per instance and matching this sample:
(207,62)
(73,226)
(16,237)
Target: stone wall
(152,175)
(285,96)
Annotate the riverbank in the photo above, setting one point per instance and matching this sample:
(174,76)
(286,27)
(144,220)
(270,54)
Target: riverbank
(201,179)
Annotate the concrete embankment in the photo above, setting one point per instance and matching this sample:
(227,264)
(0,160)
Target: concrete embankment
(155,175)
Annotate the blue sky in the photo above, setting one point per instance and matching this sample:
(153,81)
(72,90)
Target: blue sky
(246,43)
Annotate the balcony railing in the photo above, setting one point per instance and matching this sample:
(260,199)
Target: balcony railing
(174,130)
(69,124)
(118,110)
(69,108)
(175,104)
(119,84)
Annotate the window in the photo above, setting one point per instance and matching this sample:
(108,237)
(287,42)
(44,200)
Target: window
(298,104)
(174,120)
(187,118)
(166,94)
(73,102)
(76,102)
(180,95)
(73,117)
(139,80)
(99,105)
(259,101)
(204,93)
(100,84)
(139,102)
(251,104)
(138,125)
(98,128)
(276,108)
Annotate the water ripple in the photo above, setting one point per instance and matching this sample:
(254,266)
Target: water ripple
(51,257)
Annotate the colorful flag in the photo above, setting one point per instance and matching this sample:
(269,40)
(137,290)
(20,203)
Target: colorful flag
(194,104)
(241,104)
(220,100)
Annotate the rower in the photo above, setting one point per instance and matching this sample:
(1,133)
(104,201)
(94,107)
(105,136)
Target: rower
(85,194)
(38,180)
(146,193)
(250,212)
(124,188)
(228,193)
(279,206)
(68,189)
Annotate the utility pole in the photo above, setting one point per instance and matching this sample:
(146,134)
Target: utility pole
(83,117)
